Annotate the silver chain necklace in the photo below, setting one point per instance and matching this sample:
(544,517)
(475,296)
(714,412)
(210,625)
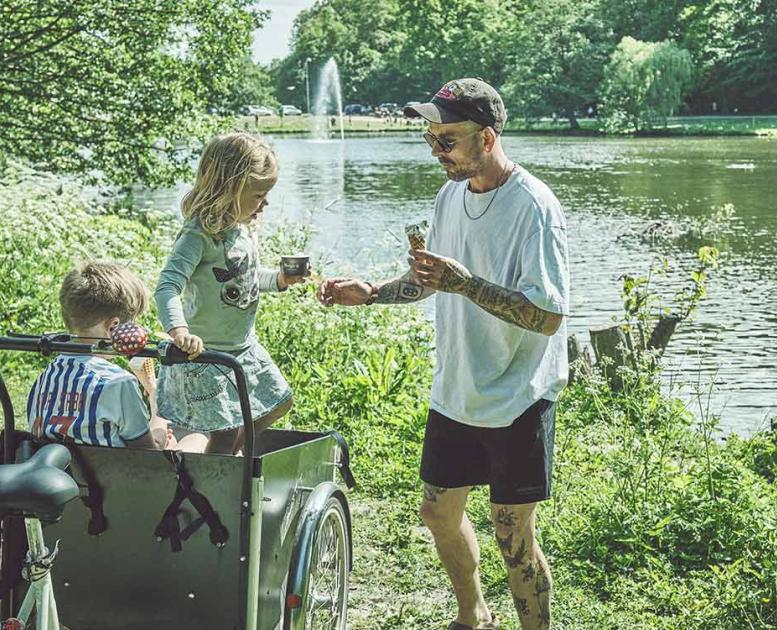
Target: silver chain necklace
(503,181)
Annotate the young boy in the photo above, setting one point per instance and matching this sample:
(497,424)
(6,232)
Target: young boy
(85,397)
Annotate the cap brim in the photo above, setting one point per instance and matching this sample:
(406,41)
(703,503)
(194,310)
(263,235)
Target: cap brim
(433,113)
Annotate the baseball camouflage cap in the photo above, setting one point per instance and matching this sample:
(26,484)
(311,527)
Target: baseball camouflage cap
(463,99)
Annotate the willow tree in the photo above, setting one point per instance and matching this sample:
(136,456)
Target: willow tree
(119,88)
(644,83)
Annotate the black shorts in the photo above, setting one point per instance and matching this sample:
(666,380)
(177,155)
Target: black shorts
(515,461)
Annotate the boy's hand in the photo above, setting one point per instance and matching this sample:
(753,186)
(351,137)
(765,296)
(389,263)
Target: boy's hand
(190,344)
(285,281)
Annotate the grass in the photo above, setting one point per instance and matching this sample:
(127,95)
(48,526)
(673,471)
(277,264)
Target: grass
(676,126)
(653,524)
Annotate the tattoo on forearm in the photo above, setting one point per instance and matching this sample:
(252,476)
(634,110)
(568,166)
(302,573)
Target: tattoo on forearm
(431,493)
(454,279)
(510,306)
(402,291)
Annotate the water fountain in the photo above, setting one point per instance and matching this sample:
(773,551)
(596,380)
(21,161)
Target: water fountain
(328,99)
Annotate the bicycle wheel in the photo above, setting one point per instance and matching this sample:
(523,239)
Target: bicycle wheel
(325,601)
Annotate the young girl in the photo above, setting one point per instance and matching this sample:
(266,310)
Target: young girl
(214,265)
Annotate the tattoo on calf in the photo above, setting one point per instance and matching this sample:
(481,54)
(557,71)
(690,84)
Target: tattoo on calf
(522,606)
(542,595)
(505,518)
(513,560)
(432,492)
(528,572)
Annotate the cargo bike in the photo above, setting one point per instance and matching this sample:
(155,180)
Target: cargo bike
(163,539)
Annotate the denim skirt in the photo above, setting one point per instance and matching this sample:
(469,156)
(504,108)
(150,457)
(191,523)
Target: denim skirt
(203,397)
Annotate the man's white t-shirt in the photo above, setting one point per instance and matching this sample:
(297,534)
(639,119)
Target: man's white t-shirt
(489,372)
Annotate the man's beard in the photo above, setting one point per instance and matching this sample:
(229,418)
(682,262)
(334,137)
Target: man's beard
(461,171)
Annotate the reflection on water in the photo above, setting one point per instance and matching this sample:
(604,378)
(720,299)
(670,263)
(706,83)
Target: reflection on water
(609,187)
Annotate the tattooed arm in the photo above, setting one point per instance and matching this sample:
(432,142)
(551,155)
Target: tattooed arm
(352,292)
(407,288)
(445,274)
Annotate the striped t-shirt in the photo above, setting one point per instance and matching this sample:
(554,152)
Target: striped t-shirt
(88,399)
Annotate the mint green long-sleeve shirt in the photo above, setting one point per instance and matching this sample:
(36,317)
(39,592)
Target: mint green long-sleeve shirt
(212,286)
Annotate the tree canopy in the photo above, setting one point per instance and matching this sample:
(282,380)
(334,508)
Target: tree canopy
(545,56)
(104,85)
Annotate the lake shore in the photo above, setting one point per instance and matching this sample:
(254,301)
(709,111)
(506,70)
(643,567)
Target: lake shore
(762,126)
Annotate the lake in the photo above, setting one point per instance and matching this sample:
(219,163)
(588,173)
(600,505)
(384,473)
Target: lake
(358,194)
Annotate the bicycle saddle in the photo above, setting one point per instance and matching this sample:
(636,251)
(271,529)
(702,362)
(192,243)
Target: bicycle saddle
(39,487)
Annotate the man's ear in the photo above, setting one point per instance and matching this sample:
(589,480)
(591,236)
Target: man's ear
(489,139)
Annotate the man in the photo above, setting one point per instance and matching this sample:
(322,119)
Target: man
(497,258)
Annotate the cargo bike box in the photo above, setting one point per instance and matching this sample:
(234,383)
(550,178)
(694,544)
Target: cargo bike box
(164,539)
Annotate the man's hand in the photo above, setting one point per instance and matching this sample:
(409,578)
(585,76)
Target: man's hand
(190,344)
(343,291)
(438,272)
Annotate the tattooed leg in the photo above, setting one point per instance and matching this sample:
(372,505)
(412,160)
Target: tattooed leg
(527,570)
(442,511)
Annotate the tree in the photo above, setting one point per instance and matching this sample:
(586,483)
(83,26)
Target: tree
(734,46)
(559,48)
(104,85)
(359,34)
(398,50)
(252,86)
(644,84)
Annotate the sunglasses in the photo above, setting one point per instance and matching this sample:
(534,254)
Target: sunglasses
(446,146)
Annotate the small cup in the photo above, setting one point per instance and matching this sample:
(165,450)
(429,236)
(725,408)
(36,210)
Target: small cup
(295,265)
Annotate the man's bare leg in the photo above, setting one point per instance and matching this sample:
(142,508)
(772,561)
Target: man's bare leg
(442,511)
(527,569)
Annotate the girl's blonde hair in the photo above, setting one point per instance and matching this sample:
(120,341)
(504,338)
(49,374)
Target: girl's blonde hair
(227,163)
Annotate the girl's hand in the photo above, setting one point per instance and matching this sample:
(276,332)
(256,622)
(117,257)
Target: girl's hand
(190,344)
(285,281)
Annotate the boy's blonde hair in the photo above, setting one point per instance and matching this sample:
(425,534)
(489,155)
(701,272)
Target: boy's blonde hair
(227,163)
(97,290)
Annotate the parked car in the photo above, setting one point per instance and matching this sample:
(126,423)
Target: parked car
(257,110)
(355,109)
(387,109)
(289,110)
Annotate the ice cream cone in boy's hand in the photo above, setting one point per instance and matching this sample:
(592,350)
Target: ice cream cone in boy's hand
(416,234)
(143,369)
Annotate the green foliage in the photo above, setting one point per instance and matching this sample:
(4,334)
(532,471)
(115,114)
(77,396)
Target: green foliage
(118,87)
(252,86)
(644,84)
(398,50)
(653,524)
(734,46)
(557,50)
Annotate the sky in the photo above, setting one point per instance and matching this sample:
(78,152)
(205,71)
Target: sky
(272,41)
